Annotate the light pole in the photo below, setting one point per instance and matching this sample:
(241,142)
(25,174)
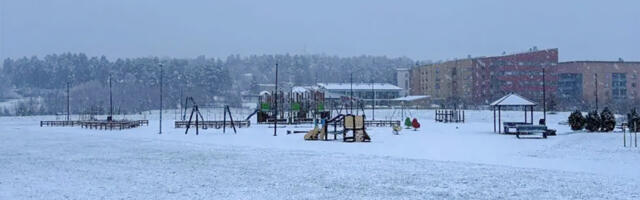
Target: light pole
(351,99)
(275,117)
(544,98)
(161,75)
(596,77)
(68,110)
(373,102)
(110,118)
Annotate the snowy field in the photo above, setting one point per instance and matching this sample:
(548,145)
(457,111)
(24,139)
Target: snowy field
(439,161)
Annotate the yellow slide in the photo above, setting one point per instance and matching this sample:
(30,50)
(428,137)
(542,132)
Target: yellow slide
(312,134)
(323,133)
(315,134)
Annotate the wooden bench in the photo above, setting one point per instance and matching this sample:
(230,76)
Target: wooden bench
(531,129)
(512,125)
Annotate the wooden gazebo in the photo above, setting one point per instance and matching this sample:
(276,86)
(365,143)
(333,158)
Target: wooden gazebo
(511,100)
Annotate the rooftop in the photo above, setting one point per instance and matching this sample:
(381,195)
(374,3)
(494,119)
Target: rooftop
(411,98)
(600,61)
(359,86)
(513,100)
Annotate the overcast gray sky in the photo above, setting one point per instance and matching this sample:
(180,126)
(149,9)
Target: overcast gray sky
(425,30)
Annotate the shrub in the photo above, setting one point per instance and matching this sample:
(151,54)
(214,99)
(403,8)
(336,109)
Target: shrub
(576,120)
(592,121)
(608,120)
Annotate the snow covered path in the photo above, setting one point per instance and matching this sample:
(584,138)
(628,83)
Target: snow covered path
(438,162)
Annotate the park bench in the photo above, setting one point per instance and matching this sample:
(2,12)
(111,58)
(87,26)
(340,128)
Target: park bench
(528,129)
(511,125)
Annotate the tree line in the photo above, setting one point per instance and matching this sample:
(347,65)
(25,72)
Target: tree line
(135,81)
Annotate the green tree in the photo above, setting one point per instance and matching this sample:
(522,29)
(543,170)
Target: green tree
(592,121)
(608,120)
(576,120)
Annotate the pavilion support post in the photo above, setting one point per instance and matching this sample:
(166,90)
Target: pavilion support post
(525,115)
(532,114)
(494,119)
(499,120)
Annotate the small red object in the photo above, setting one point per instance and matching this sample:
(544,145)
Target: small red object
(415,124)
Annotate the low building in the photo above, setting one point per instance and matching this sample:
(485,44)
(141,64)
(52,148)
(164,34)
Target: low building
(381,92)
(617,84)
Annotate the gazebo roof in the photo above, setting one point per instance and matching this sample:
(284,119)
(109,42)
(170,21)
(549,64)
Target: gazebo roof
(513,100)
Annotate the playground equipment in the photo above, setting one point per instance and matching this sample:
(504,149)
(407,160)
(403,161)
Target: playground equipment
(396,129)
(323,132)
(194,110)
(350,123)
(355,124)
(317,133)
(415,124)
(200,122)
(449,115)
(300,105)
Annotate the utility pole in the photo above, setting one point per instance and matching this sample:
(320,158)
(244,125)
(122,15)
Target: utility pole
(544,98)
(373,102)
(110,100)
(161,75)
(596,77)
(68,110)
(351,99)
(275,118)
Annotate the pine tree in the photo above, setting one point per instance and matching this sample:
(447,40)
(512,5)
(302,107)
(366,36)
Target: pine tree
(576,120)
(608,120)
(592,121)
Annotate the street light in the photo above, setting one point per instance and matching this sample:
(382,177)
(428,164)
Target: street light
(161,75)
(275,118)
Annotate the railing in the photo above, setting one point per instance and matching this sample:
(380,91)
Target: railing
(212,124)
(381,123)
(59,123)
(100,125)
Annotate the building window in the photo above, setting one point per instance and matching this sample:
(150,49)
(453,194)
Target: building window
(570,86)
(619,85)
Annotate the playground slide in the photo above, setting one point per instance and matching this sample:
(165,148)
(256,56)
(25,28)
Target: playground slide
(323,132)
(316,133)
(336,118)
(361,136)
(312,134)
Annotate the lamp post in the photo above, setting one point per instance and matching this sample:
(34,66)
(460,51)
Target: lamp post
(161,75)
(544,98)
(110,118)
(596,77)
(68,110)
(351,99)
(373,102)
(275,118)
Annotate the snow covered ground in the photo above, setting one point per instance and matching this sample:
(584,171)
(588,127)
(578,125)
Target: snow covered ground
(439,161)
